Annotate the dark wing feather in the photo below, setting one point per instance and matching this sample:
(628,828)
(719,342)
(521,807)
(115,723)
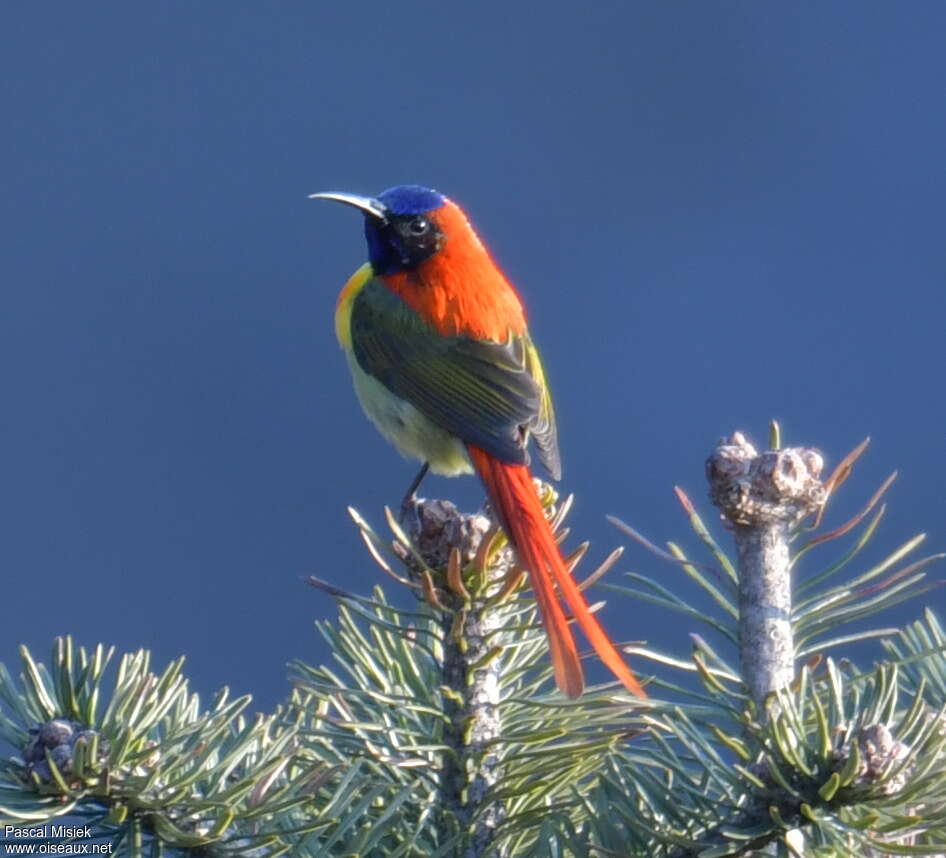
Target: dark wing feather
(543,429)
(489,394)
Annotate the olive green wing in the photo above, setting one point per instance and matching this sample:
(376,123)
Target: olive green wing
(492,395)
(543,429)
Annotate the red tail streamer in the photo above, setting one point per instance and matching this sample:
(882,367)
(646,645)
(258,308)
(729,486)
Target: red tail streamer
(513,495)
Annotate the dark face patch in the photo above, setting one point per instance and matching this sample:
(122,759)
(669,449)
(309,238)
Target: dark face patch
(401,243)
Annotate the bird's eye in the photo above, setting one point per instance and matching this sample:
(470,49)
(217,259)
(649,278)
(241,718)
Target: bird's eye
(419,226)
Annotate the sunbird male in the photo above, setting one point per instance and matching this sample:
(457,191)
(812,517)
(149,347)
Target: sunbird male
(443,365)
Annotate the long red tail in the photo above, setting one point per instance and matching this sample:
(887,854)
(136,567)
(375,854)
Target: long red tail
(513,496)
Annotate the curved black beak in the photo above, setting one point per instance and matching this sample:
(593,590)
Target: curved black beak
(369,205)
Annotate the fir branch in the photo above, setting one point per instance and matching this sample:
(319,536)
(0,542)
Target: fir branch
(453,701)
(152,770)
(762,497)
(824,762)
(471,663)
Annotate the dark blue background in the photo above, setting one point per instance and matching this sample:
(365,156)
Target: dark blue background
(716,212)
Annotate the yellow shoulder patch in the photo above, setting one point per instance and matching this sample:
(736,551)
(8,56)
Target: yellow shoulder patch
(345,300)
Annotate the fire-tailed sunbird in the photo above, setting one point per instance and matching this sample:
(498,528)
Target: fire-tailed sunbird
(443,365)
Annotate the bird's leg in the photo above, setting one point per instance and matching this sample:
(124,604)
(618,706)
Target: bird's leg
(411,495)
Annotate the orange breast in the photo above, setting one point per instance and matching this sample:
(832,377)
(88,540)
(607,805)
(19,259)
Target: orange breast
(459,290)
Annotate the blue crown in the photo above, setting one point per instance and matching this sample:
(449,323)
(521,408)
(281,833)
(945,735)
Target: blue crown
(411,199)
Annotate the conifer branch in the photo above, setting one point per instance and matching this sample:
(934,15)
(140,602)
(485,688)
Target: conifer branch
(761,497)
(143,766)
(827,760)
(450,543)
(437,733)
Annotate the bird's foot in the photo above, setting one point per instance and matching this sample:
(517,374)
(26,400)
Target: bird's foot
(411,500)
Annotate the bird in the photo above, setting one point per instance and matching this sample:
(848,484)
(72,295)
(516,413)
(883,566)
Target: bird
(443,364)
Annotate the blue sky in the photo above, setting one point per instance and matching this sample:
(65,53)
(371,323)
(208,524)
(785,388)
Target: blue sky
(717,213)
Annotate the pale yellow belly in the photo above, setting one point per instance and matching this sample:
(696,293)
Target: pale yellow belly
(403,425)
